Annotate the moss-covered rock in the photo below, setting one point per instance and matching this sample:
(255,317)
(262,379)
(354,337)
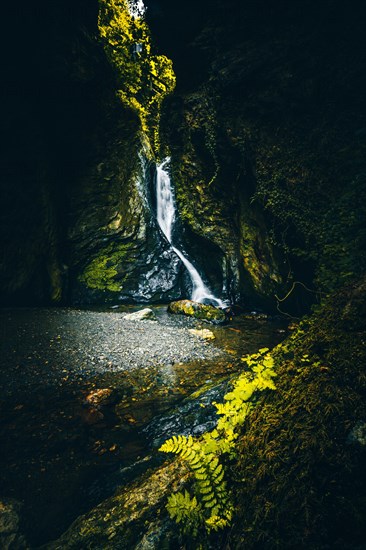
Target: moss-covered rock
(116,252)
(144,79)
(107,271)
(213,191)
(131,517)
(197,310)
(270,143)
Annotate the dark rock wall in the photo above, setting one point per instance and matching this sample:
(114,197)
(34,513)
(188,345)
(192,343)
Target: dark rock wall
(51,104)
(267,136)
(74,227)
(268,132)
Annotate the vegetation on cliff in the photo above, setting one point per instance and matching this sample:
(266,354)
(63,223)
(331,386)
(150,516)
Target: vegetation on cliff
(284,152)
(295,477)
(143,79)
(108,270)
(300,481)
(268,147)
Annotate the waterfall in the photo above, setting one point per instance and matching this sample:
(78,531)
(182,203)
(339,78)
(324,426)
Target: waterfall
(166,214)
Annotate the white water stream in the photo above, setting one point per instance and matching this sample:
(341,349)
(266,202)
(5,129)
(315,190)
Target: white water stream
(166,216)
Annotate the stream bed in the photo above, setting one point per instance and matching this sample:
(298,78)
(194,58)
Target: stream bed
(87,396)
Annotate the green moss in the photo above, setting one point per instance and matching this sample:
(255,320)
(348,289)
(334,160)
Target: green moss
(199,311)
(106,271)
(144,79)
(299,481)
(257,256)
(314,205)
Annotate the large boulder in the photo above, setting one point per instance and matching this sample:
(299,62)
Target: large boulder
(197,310)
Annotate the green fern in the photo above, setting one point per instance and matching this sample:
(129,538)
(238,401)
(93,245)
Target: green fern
(212,505)
(209,475)
(186,510)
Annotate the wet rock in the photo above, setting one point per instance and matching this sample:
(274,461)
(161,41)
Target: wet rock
(358,434)
(193,416)
(197,310)
(141,315)
(202,333)
(101,398)
(10,538)
(133,517)
(91,416)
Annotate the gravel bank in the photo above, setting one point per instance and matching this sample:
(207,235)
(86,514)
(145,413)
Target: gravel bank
(42,346)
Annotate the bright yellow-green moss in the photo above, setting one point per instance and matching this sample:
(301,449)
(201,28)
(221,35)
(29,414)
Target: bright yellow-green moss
(199,311)
(105,272)
(143,79)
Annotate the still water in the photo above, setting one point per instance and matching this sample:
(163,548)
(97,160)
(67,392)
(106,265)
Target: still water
(62,451)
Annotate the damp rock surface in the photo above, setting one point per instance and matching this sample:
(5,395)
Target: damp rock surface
(129,519)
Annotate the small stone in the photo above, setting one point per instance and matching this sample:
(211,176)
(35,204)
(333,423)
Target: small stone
(141,315)
(203,333)
(100,398)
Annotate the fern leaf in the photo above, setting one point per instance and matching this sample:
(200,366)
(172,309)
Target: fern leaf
(196,461)
(205,489)
(218,479)
(217,471)
(211,503)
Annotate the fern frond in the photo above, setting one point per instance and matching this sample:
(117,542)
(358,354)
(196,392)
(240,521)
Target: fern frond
(214,508)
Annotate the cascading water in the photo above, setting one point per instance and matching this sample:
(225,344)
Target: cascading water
(166,216)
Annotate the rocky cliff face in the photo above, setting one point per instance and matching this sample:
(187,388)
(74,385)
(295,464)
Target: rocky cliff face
(266,131)
(53,104)
(74,218)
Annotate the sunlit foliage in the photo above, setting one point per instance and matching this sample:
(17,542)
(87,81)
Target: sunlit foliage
(212,506)
(143,79)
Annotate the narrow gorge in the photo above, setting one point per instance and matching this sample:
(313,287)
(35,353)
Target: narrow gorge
(182,275)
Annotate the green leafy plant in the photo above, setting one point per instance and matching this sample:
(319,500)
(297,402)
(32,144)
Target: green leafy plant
(212,506)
